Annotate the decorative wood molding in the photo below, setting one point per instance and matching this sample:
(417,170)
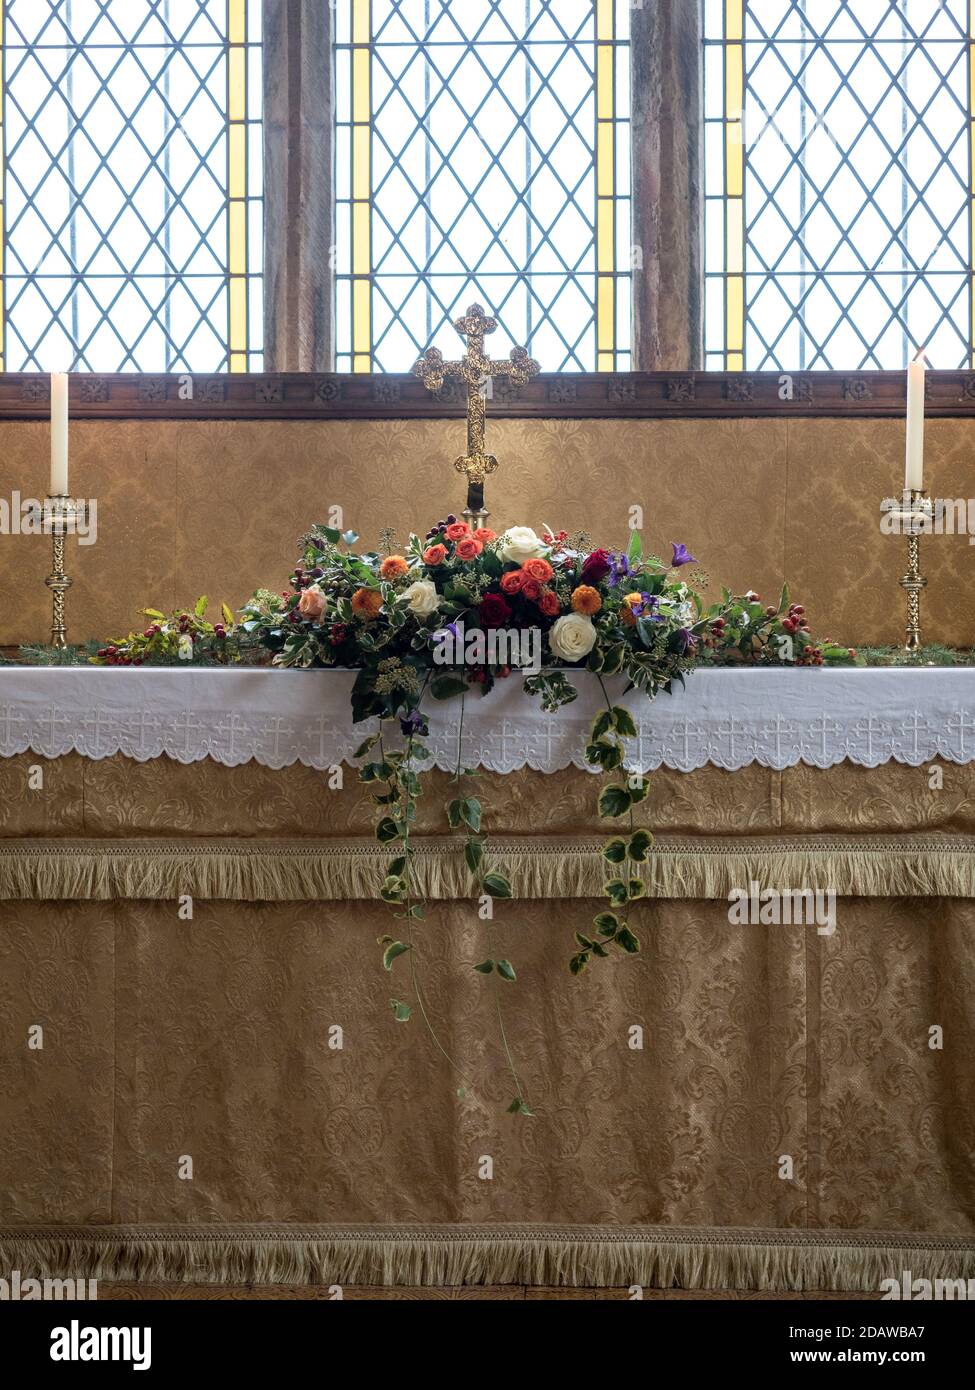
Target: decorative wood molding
(575,396)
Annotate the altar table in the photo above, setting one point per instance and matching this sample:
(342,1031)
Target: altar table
(785,1124)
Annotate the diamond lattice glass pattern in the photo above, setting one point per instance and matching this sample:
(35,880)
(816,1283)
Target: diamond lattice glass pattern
(853,234)
(469,169)
(132,154)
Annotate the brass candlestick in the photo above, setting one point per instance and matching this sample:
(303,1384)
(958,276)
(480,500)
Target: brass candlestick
(917,512)
(60,515)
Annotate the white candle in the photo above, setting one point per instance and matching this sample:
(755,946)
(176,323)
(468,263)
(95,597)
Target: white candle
(59,434)
(914,470)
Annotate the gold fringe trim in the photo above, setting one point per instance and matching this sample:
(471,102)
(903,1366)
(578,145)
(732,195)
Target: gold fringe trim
(575,1256)
(539,867)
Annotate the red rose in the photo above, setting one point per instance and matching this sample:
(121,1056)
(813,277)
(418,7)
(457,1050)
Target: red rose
(549,603)
(595,566)
(511,581)
(494,611)
(531,589)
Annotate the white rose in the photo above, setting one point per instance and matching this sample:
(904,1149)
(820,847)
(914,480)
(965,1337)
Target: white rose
(186,647)
(572,637)
(519,543)
(422,597)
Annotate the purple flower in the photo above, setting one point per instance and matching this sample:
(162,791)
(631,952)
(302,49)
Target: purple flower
(682,556)
(686,640)
(619,569)
(414,723)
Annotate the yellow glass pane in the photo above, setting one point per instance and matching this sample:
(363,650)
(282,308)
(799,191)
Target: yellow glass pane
(605,234)
(237,21)
(734,81)
(735,362)
(605,95)
(735,313)
(238,315)
(237,84)
(361,96)
(237,249)
(361,21)
(605,362)
(361,162)
(605,314)
(734,19)
(735,261)
(237,161)
(605,159)
(238,361)
(362,362)
(734,161)
(605,20)
(361,316)
(361,239)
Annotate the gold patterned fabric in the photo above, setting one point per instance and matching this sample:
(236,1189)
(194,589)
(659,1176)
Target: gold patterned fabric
(784,1121)
(756,501)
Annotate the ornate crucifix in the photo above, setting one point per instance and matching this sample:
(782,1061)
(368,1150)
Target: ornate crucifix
(476,370)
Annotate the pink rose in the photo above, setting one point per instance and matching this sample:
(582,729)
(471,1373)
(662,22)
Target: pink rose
(312,603)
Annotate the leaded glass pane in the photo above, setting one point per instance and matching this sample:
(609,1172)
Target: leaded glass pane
(133,210)
(838,183)
(482,154)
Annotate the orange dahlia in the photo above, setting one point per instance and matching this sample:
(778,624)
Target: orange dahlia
(394,567)
(586,600)
(366,603)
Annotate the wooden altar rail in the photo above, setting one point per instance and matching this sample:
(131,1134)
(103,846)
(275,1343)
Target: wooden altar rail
(591,395)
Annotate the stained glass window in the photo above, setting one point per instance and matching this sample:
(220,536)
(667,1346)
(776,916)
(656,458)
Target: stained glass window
(838,183)
(132,214)
(482,154)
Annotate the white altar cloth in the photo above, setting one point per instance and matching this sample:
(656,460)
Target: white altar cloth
(728,718)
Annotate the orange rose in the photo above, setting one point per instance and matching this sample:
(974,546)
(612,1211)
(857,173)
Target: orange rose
(549,603)
(586,600)
(394,567)
(626,616)
(468,548)
(512,581)
(458,531)
(312,603)
(485,534)
(538,569)
(366,603)
(435,555)
(531,589)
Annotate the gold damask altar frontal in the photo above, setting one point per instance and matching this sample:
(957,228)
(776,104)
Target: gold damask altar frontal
(164,1038)
(119,797)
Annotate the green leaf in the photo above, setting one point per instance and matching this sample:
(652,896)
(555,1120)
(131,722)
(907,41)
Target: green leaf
(393,889)
(601,725)
(614,801)
(447,687)
(640,843)
(606,923)
(396,866)
(394,949)
(496,885)
(473,853)
(365,746)
(506,970)
(453,814)
(626,939)
(515,1107)
(579,962)
(228,615)
(583,941)
(638,889)
(784,599)
(485,967)
(616,892)
(386,830)
(638,790)
(153,613)
(634,550)
(615,851)
(401,1011)
(624,722)
(470,812)
(202,604)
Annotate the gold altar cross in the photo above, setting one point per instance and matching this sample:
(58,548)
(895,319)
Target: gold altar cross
(476,370)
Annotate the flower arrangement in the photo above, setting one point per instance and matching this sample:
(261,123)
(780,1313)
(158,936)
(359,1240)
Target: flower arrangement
(458,611)
(399,619)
